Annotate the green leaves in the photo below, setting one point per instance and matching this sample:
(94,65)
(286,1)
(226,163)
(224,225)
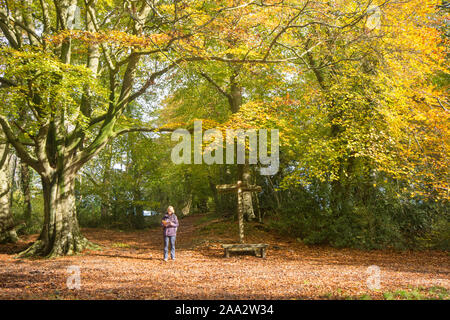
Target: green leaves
(45,87)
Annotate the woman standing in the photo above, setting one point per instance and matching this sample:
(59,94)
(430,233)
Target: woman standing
(170,225)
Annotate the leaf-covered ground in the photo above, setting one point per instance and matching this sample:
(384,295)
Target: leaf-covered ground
(130,266)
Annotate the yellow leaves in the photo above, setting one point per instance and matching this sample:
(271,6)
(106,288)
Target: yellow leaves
(200,18)
(412,43)
(105,3)
(236,51)
(420,117)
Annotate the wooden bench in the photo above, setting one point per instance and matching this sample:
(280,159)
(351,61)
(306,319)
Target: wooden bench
(261,247)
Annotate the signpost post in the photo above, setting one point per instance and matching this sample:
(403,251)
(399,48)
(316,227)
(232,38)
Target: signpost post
(239,188)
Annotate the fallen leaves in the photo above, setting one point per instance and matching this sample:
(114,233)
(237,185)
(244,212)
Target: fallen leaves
(130,266)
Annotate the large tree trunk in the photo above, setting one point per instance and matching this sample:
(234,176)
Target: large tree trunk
(60,234)
(105,207)
(244,174)
(7,231)
(25,179)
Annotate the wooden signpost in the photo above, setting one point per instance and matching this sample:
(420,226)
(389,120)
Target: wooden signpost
(239,188)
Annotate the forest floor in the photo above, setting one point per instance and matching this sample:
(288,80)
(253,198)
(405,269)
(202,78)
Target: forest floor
(130,266)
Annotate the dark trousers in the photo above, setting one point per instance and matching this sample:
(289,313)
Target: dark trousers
(170,239)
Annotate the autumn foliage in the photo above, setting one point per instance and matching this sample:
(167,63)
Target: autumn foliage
(357,89)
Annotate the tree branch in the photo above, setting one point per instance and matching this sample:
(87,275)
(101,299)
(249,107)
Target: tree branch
(20,148)
(226,94)
(143,129)
(6,83)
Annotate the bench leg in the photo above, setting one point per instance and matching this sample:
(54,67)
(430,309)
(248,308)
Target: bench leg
(263,253)
(227,253)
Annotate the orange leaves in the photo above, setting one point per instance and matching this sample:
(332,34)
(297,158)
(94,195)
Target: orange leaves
(135,270)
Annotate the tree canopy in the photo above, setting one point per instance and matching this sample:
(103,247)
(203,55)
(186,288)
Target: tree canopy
(357,89)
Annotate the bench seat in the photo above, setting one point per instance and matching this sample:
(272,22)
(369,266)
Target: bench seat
(256,247)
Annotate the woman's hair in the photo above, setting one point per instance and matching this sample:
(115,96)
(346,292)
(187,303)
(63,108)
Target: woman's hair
(170,208)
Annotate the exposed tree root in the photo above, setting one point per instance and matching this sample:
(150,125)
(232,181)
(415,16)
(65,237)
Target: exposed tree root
(68,246)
